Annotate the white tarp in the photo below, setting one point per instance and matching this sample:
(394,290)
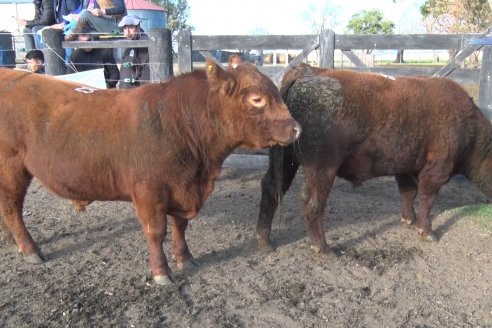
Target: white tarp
(93,78)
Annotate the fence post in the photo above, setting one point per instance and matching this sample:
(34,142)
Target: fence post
(185,63)
(485,87)
(327,49)
(54,53)
(160,55)
(7,52)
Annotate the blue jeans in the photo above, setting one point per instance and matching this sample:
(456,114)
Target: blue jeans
(103,24)
(31,38)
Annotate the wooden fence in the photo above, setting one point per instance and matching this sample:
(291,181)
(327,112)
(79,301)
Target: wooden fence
(325,44)
(159,45)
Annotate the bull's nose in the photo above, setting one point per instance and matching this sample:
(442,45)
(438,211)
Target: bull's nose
(296,131)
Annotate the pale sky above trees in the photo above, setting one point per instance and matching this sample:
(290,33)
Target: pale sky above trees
(216,17)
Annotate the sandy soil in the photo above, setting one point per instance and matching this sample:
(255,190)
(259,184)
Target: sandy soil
(97,273)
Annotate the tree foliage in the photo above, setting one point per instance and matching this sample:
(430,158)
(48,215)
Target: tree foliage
(370,22)
(178,12)
(456,16)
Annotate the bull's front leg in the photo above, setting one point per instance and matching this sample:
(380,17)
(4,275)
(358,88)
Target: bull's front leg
(424,225)
(151,211)
(433,176)
(181,252)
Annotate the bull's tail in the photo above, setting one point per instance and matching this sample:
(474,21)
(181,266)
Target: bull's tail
(282,168)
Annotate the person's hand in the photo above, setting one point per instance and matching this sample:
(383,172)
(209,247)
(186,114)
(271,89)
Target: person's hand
(58,26)
(98,12)
(20,21)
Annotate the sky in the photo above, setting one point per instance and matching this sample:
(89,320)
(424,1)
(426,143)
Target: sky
(290,17)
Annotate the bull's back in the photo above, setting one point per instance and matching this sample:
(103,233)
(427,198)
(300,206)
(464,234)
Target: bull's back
(374,125)
(77,141)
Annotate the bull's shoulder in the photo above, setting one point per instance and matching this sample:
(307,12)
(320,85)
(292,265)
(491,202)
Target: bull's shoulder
(316,97)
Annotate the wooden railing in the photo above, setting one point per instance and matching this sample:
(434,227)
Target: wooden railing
(159,44)
(327,42)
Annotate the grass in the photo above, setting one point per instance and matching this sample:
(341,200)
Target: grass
(472,89)
(481,213)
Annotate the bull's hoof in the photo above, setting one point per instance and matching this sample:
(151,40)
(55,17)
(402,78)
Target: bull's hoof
(33,258)
(162,280)
(264,245)
(430,237)
(187,265)
(328,252)
(426,236)
(407,222)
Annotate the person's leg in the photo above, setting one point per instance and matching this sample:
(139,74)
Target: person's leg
(37,36)
(28,38)
(100,24)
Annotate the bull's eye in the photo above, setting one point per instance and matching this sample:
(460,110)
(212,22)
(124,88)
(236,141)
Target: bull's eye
(257,101)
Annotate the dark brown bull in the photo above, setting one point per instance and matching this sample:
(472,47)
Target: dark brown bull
(160,146)
(359,126)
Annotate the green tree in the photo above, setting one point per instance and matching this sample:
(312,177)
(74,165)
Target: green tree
(178,12)
(456,16)
(370,22)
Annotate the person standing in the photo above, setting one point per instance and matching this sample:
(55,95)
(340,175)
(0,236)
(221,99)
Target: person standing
(135,69)
(85,59)
(44,15)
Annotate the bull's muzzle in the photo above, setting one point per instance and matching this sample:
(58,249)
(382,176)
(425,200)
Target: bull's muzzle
(294,133)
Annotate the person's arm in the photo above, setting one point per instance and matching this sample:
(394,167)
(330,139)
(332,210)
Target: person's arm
(74,6)
(46,15)
(118,8)
(143,70)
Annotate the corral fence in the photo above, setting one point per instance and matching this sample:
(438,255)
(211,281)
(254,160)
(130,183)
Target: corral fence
(323,45)
(327,42)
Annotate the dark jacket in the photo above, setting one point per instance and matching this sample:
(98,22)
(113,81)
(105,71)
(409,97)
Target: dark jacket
(41,71)
(44,14)
(135,68)
(81,60)
(65,7)
(118,9)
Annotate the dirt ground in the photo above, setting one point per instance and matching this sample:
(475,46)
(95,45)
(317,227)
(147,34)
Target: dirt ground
(97,275)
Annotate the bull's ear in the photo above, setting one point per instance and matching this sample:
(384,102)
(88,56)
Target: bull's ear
(218,78)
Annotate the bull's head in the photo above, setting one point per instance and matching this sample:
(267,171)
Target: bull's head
(254,112)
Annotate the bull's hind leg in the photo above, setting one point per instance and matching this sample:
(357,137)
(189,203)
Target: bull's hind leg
(7,236)
(407,186)
(281,171)
(181,252)
(14,181)
(314,196)
(151,211)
